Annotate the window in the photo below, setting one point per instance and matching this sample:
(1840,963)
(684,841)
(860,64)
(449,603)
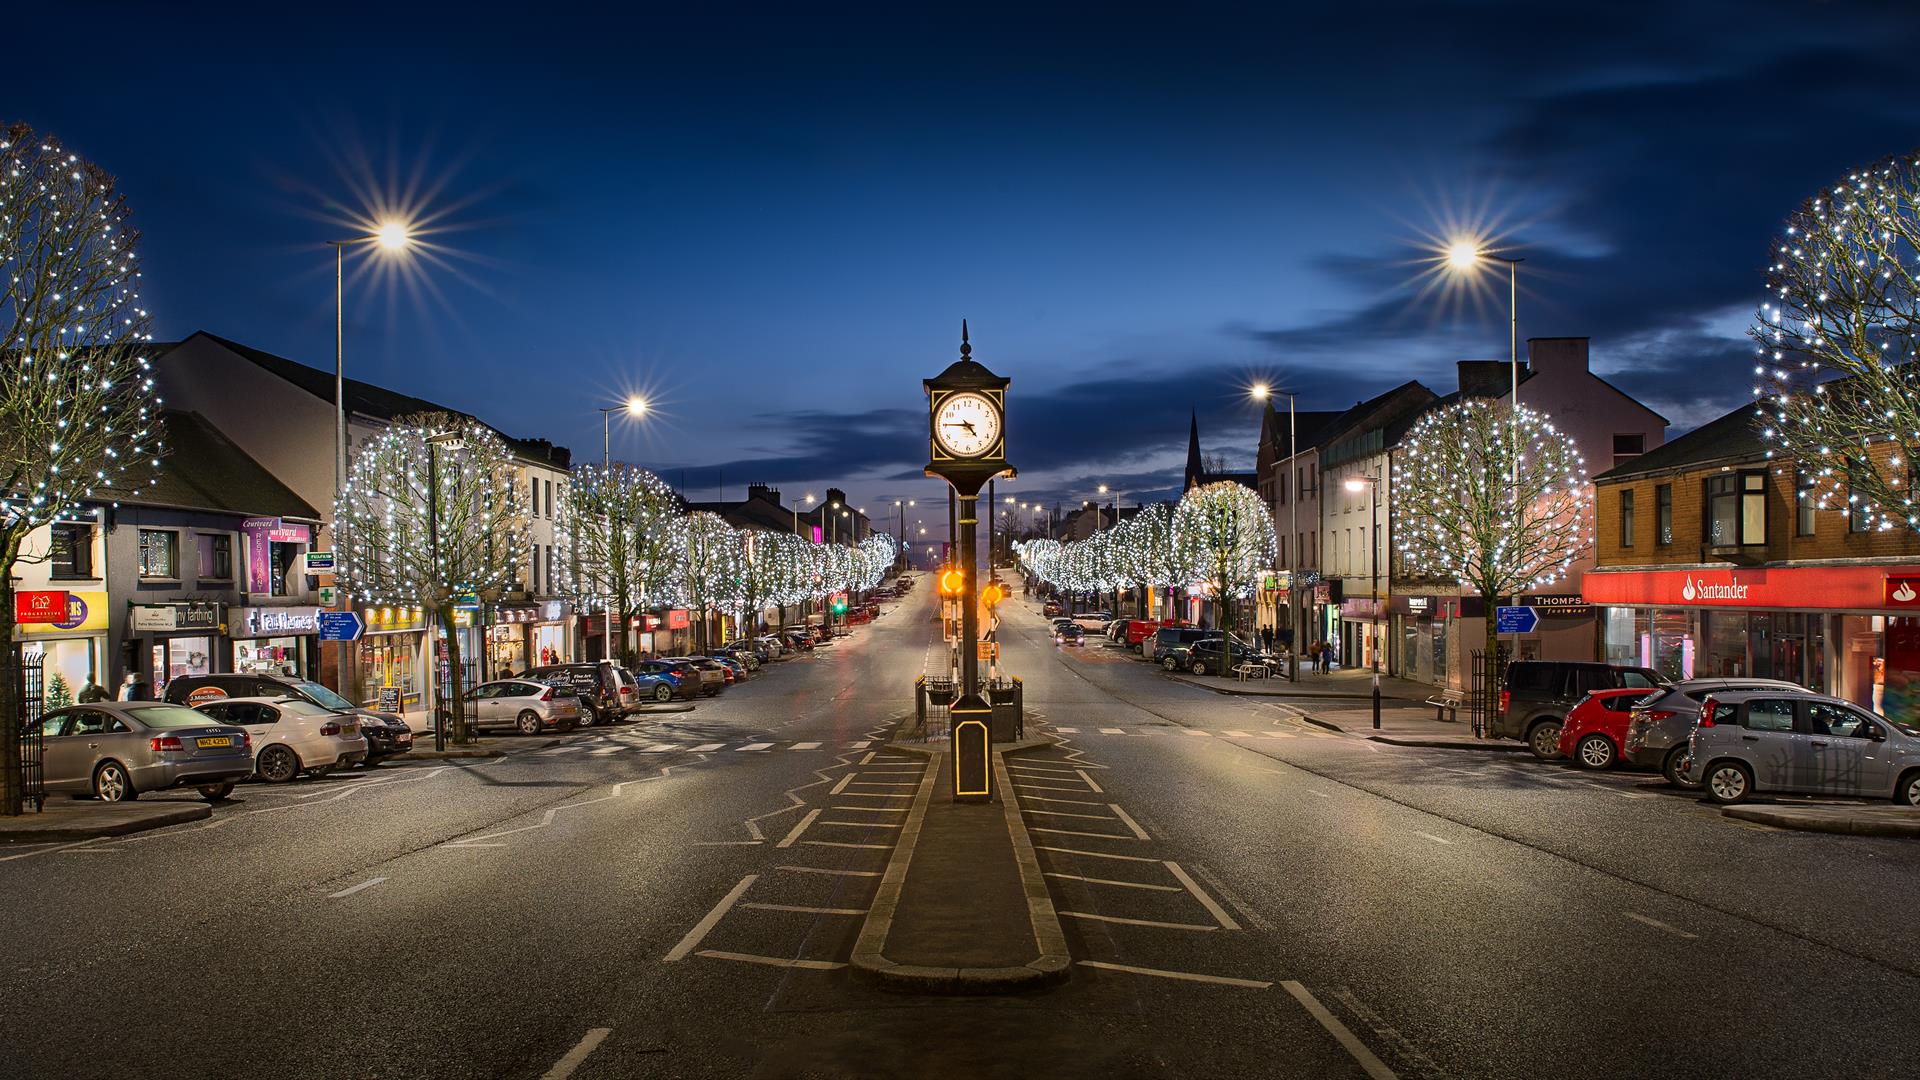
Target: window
(533,483)
(549,498)
(550,590)
(1626,516)
(1825,719)
(1769,714)
(216,556)
(533,579)
(1282,489)
(1663,514)
(1803,505)
(1859,518)
(159,554)
(72,554)
(1736,509)
(1627,447)
(280,560)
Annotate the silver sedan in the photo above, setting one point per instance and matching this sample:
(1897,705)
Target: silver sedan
(116,750)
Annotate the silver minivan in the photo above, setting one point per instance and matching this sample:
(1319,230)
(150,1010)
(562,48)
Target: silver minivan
(1765,740)
(1658,729)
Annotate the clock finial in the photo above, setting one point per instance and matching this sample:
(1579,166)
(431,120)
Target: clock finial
(966,350)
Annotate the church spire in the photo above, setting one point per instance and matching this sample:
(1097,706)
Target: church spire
(1195,469)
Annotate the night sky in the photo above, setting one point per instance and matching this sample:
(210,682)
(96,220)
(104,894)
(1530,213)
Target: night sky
(773,225)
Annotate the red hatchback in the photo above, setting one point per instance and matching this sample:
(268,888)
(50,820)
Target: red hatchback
(1597,727)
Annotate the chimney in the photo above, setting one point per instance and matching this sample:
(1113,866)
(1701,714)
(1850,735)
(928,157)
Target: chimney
(1486,378)
(764,493)
(1553,355)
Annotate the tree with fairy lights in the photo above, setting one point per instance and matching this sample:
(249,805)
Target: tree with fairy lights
(765,576)
(1838,337)
(432,509)
(619,523)
(78,415)
(1490,499)
(710,568)
(1229,534)
(1151,553)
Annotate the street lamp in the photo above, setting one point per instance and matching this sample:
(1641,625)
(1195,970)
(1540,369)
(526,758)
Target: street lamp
(1466,256)
(635,406)
(1261,392)
(1372,484)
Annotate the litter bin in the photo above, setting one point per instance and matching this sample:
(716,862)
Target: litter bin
(1005,697)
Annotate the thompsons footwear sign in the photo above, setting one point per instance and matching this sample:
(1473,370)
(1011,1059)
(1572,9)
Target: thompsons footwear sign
(1831,588)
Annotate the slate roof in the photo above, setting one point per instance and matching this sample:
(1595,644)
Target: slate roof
(204,470)
(1732,437)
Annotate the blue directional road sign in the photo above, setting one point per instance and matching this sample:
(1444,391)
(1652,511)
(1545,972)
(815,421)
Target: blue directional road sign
(346,626)
(1515,620)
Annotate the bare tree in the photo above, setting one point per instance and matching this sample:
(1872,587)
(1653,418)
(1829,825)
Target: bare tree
(1838,337)
(77,410)
(433,510)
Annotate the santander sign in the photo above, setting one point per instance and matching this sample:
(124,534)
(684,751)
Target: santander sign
(1794,588)
(1707,592)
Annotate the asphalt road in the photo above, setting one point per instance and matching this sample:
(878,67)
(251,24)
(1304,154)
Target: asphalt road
(1242,891)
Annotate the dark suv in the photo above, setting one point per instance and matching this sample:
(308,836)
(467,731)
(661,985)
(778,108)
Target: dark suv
(1538,695)
(597,685)
(387,735)
(1217,656)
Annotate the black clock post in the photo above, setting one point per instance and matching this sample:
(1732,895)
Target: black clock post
(967,446)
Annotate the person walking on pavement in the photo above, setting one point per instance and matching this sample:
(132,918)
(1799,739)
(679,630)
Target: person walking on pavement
(91,691)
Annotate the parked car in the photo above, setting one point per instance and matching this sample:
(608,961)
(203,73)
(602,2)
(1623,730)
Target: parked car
(118,750)
(387,735)
(660,681)
(1139,630)
(1093,621)
(1596,729)
(1050,608)
(1173,654)
(291,735)
(1750,741)
(1219,656)
(527,706)
(773,646)
(1656,736)
(736,668)
(1067,633)
(1167,636)
(597,685)
(712,674)
(1538,694)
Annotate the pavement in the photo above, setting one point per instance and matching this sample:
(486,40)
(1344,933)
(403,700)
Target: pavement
(1849,819)
(65,819)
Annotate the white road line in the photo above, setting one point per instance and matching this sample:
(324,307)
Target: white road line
(754,746)
(1111,731)
(1028,766)
(610,750)
(1188,976)
(1064,813)
(860,745)
(825,870)
(865,824)
(1370,1064)
(804,746)
(659,748)
(1279,734)
(842,785)
(875,795)
(1097,790)
(1110,881)
(843,843)
(799,828)
(1076,832)
(877,783)
(1069,802)
(1435,839)
(1094,854)
(1026,784)
(1068,730)
(587,1044)
(706,925)
(1128,821)
(367,884)
(1197,927)
(706,748)
(804,910)
(1202,734)
(727,843)
(872,809)
(869,758)
(1219,913)
(774,961)
(1319,794)
(1658,925)
(1236,735)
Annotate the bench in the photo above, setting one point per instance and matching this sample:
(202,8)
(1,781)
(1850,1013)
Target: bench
(1446,704)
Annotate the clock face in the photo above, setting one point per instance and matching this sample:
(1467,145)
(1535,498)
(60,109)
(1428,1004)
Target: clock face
(967,424)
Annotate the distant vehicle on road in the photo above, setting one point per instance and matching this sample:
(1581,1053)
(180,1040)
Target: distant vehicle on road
(526,706)
(1068,633)
(1656,735)
(1050,608)
(1750,741)
(292,735)
(1538,695)
(117,750)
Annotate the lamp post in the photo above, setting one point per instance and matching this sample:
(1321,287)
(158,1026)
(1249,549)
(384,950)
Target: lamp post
(1261,392)
(1372,484)
(1466,256)
(636,407)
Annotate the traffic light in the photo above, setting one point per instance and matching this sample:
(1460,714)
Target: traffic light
(991,596)
(839,605)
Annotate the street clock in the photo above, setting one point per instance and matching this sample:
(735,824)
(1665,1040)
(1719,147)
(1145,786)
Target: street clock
(967,423)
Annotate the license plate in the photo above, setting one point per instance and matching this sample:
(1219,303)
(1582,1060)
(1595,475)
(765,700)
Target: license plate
(214,740)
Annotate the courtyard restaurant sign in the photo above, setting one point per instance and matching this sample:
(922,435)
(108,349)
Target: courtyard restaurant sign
(1809,588)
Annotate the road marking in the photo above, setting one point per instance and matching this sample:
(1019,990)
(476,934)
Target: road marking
(863,824)
(843,843)
(1188,976)
(705,748)
(754,746)
(861,745)
(706,925)
(1068,730)
(878,783)
(1279,734)
(1658,925)
(610,750)
(1042,770)
(587,1044)
(727,843)
(1095,854)
(1063,813)
(1110,881)
(1202,734)
(1025,784)
(1319,794)
(367,884)
(1111,731)
(1138,922)
(658,748)
(799,828)
(804,746)
(1097,790)
(1371,1065)
(1219,914)
(1130,823)
(1073,832)
(774,961)
(1236,734)
(825,870)
(874,795)
(842,785)
(805,910)
(872,809)
(1069,802)
(1435,839)
(869,758)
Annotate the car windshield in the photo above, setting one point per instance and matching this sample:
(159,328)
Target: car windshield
(298,707)
(1905,728)
(323,695)
(169,716)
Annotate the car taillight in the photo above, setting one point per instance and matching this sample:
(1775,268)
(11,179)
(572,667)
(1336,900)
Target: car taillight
(246,741)
(626,691)
(1657,715)
(329,728)
(1706,713)
(166,742)
(1506,698)
(547,694)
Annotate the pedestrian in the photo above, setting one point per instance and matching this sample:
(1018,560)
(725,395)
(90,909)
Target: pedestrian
(134,688)
(91,691)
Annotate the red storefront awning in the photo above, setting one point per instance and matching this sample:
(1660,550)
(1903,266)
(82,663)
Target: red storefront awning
(1805,588)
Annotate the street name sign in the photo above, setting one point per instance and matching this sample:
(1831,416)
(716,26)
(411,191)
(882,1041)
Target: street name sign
(1515,620)
(341,626)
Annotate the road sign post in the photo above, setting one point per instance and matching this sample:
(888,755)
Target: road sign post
(341,626)
(1515,620)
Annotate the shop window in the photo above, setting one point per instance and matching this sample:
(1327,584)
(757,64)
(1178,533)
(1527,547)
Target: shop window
(280,560)
(1803,503)
(72,550)
(1736,509)
(159,553)
(1859,518)
(1626,516)
(1663,514)
(216,556)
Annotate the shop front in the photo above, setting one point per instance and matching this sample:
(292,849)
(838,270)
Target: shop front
(274,640)
(67,633)
(1849,631)
(176,639)
(1421,637)
(529,634)
(392,676)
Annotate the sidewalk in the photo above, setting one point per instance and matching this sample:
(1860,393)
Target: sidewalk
(962,908)
(67,818)
(1851,819)
(1353,683)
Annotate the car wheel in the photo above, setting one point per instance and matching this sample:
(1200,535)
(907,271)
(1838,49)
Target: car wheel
(1728,782)
(527,723)
(663,692)
(1594,752)
(1544,740)
(112,784)
(216,792)
(1170,664)
(276,765)
(1199,667)
(1670,768)
(588,717)
(1907,791)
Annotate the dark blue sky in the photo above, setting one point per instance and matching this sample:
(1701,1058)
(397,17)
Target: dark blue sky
(774,224)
